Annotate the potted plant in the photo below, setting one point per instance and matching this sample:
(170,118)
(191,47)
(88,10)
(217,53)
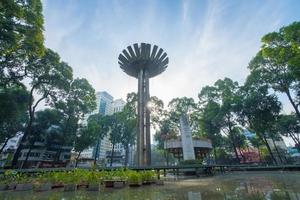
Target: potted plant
(70,181)
(42,182)
(148,177)
(93,181)
(23,182)
(108,179)
(134,179)
(9,179)
(3,182)
(119,178)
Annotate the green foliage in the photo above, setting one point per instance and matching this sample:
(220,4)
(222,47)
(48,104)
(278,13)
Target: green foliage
(147,176)
(13,102)
(191,162)
(21,38)
(134,177)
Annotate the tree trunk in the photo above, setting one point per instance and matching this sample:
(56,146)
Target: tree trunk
(215,154)
(259,155)
(293,103)
(112,154)
(4,145)
(76,162)
(297,142)
(270,150)
(27,156)
(96,151)
(126,155)
(276,149)
(244,159)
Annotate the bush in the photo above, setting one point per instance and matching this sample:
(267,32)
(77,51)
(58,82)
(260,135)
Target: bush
(191,162)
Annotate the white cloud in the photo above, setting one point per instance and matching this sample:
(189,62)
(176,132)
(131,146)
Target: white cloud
(202,46)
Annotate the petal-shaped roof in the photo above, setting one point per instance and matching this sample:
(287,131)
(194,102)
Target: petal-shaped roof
(142,56)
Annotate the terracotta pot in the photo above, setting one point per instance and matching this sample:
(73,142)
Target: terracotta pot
(119,184)
(43,187)
(3,187)
(109,183)
(11,186)
(147,183)
(159,182)
(70,187)
(135,184)
(93,187)
(24,186)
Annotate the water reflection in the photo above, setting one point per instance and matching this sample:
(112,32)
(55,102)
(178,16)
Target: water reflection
(248,186)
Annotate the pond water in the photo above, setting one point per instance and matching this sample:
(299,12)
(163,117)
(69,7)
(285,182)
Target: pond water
(237,185)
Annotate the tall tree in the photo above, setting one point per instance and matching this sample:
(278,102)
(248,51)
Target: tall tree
(115,130)
(289,126)
(13,101)
(21,38)
(277,63)
(226,91)
(49,78)
(98,125)
(259,111)
(84,139)
(210,124)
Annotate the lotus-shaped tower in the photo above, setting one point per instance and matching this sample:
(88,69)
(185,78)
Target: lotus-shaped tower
(143,62)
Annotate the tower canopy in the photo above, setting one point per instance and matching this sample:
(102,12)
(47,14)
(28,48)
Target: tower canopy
(152,59)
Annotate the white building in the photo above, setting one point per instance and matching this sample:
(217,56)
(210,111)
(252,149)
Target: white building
(105,106)
(13,142)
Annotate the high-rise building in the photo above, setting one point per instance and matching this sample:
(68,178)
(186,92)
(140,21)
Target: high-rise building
(105,106)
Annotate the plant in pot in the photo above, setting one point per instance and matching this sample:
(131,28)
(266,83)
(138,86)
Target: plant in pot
(70,181)
(23,182)
(119,178)
(3,182)
(134,179)
(148,177)
(108,179)
(9,178)
(93,181)
(42,182)
(55,178)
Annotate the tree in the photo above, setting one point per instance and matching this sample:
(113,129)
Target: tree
(49,78)
(13,112)
(115,130)
(277,63)
(256,143)
(76,102)
(259,111)
(84,139)
(289,126)
(45,128)
(226,94)
(210,124)
(21,38)
(98,125)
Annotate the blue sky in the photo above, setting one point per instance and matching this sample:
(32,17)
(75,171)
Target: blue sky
(205,40)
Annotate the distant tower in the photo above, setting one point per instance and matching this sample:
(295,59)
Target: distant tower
(143,62)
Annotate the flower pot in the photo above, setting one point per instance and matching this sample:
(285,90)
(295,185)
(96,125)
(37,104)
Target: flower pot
(135,184)
(109,183)
(70,187)
(57,185)
(43,187)
(24,186)
(147,182)
(119,184)
(3,187)
(93,187)
(159,182)
(11,186)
